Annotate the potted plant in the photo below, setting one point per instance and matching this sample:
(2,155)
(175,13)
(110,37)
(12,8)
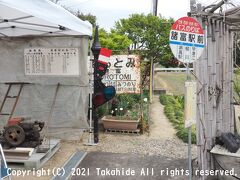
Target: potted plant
(123,115)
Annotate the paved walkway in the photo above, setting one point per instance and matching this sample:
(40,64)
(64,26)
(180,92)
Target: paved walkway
(160,127)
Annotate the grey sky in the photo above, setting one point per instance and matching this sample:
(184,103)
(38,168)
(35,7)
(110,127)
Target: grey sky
(109,11)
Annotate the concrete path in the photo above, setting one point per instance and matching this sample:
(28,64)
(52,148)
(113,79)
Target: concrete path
(160,127)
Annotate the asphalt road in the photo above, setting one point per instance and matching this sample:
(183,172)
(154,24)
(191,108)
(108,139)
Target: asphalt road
(118,166)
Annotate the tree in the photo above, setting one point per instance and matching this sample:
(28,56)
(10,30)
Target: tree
(89,17)
(116,42)
(149,34)
(150,37)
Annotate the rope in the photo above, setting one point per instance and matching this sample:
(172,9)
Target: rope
(51,110)
(46,131)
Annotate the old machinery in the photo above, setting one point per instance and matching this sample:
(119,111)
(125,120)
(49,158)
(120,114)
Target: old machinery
(21,133)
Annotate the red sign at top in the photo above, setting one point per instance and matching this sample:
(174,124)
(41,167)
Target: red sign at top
(187,24)
(105,52)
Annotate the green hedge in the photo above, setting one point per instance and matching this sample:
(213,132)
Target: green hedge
(174,110)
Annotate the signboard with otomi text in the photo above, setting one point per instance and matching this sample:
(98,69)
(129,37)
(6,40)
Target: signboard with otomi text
(124,74)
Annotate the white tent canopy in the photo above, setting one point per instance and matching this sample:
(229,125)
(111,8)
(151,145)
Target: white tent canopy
(39,18)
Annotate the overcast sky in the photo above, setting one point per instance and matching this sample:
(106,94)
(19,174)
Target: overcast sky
(109,11)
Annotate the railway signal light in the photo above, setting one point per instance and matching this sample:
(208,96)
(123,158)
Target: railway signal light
(102,93)
(103,96)
(101,68)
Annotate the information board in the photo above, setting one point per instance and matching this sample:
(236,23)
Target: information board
(190,106)
(186,39)
(124,74)
(51,61)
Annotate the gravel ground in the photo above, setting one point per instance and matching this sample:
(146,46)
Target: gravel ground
(141,144)
(117,143)
(157,144)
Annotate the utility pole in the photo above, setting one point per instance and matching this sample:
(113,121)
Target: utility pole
(151,88)
(95,50)
(154,10)
(193,6)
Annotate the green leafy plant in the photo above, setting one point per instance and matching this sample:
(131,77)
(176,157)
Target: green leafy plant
(125,106)
(102,110)
(174,110)
(128,107)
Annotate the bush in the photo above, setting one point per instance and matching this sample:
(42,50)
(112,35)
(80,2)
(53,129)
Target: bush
(237,71)
(163,99)
(174,110)
(179,114)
